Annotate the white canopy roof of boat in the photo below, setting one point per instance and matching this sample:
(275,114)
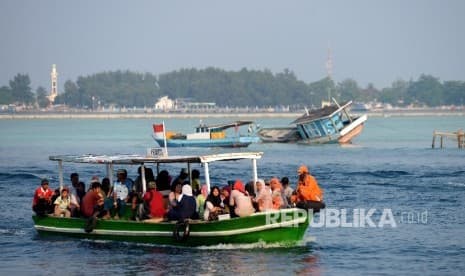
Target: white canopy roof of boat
(133,159)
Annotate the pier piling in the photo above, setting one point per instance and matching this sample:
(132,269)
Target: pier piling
(459,135)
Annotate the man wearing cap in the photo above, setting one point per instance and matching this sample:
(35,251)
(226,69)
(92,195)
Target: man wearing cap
(121,190)
(42,201)
(153,203)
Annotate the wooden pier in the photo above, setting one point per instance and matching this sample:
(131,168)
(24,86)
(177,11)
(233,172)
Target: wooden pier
(459,135)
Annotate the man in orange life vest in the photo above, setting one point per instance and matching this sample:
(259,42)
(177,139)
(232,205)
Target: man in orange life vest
(309,194)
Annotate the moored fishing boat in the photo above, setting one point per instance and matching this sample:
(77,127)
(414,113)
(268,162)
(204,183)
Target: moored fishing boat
(285,225)
(206,136)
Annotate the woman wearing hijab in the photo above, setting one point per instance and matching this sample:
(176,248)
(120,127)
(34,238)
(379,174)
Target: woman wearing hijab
(185,207)
(240,200)
(213,205)
(200,199)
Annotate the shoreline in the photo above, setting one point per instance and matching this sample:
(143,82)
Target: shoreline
(97,115)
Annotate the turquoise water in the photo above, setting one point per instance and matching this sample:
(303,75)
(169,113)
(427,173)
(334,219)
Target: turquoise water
(390,166)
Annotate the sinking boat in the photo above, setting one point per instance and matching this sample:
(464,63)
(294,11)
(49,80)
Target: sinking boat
(285,225)
(207,136)
(330,124)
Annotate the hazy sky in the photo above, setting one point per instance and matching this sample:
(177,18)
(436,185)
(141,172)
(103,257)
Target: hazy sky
(371,41)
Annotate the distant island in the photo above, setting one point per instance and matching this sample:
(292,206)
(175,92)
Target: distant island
(250,90)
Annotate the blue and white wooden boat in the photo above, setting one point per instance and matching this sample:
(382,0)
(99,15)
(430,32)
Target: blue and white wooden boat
(207,136)
(330,124)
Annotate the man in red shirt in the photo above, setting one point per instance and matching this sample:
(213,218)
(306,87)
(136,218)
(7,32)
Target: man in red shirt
(92,202)
(42,202)
(153,199)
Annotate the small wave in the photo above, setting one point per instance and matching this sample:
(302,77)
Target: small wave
(437,174)
(456,184)
(20,176)
(381,173)
(12,232)
(259,245)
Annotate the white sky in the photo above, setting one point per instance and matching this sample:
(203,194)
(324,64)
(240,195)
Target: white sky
(372,41)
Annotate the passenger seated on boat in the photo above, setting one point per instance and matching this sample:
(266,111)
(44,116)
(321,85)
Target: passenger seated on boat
(196,182)
(163,182)
(225,194)
(122,176)
(135,196)
(240,201)
(183,177)
(287,189)
(175,194)
(213,204)
(63,204)
(42,201)
(56,194)
(78,186)
(277,195)
(309,194)
(92,203)
(263,198)
(152,206)
(200,199)
(106,186)
(120,196)
(249,187)
(186,206)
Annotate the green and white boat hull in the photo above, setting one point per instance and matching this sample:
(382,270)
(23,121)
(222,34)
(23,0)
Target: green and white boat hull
(286,225)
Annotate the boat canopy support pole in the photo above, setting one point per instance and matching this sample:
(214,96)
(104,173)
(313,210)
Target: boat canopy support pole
(142,175)
(110,172)
(255,175)
(207,176)
(60,173)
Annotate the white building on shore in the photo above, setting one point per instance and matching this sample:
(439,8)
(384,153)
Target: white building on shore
(165,104)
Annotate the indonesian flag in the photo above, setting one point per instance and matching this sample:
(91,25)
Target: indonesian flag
(157,128)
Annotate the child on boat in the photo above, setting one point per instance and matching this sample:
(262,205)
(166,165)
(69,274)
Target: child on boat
(63,204)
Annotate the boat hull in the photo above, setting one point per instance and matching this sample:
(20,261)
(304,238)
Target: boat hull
(237,142)
(287,225)
(345,139)
(279,135)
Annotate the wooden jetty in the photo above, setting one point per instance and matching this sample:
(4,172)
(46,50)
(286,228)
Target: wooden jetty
(459,135)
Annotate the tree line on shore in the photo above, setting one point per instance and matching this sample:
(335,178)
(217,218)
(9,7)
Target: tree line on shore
(229,89)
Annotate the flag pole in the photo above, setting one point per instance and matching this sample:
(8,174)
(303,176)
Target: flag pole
(164,138)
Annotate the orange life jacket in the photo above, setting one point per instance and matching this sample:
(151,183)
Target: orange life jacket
(308,189)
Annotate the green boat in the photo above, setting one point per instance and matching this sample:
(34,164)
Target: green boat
(285,225)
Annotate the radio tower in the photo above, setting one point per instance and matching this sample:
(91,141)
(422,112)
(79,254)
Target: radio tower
(329,72)
(54,79)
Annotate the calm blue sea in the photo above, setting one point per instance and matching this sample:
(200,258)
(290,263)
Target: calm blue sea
(390,168)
